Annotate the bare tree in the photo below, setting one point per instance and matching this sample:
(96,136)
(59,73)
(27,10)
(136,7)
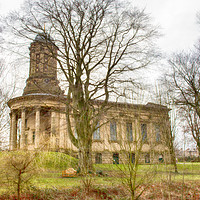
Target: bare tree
(168,138)
(4,116)
(185,83)
(167,125)
(133,152)
(193,125)
(19,168)
(99,46)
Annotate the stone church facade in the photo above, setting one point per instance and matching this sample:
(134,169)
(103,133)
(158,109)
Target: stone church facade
(38,118)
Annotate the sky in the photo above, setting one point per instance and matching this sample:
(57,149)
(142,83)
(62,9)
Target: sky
(176,18)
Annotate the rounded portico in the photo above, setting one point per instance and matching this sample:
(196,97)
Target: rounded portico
(35,122)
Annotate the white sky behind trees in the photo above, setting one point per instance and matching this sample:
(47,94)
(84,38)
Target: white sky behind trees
(176,18)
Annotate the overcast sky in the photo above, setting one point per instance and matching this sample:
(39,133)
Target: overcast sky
(177,19)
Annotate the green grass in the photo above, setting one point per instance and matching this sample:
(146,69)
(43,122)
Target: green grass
(51,164)
(56,182)
(56,161)
(191,170)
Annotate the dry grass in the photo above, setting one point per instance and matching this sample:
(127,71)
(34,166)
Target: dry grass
(164,190)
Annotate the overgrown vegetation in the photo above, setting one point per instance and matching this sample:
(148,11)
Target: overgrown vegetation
(56,161)
(48,184)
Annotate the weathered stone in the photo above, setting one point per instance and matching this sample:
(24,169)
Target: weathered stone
(70,172)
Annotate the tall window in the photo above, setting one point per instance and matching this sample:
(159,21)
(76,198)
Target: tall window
(45,62)
(37,62)
(147,158)
(157,131)
(26,123)
(33,136)
(132,157)
(37,58)
(144,132)
(98,158)
(115,158)
(96,134)
(160,158)
(129,132)
(113,131)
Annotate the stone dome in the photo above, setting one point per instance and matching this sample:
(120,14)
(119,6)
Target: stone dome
(43,37)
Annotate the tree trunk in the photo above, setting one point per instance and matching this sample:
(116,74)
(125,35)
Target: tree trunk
(173,159)
(85,160)
(19,185)
(198,147)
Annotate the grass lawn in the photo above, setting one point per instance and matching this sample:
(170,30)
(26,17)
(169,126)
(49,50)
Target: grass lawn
(112,175)
(51,164)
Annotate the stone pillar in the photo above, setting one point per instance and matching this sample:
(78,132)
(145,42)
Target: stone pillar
(23,119)
(62,130)
(37,127)
(13,132)
(136,131)
(30,139)
(53,129)
(10,146)
(150,135)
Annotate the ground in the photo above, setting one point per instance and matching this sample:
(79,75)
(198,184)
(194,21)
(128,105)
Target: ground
(175,191)
(48,183)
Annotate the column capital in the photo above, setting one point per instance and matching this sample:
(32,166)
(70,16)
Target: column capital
(23,109)
(13,111)
(37,108)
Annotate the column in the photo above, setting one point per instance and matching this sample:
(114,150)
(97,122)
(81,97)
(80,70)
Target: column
(150,135)
(62,130)
(37,127)
(53,129)
(136,131)
(22,139)
(10,146)
(13,138)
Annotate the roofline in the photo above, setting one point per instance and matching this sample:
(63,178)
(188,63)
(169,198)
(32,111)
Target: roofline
(63,99)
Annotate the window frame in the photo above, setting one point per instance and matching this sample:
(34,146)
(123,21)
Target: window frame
(147,158)
(33,137)
(143,131)
(98,158)
(97,132)
(115,155)
(132,158)
(129,132)
(157,133)
(113,131)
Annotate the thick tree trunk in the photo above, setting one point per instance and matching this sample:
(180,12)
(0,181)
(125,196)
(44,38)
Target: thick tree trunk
(173,159)
(85,159)
(198,147)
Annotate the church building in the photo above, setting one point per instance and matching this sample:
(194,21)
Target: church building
(38,118)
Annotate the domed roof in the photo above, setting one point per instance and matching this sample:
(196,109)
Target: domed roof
(43,37)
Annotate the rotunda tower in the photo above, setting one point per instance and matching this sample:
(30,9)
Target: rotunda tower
(37,118)
(43,67)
